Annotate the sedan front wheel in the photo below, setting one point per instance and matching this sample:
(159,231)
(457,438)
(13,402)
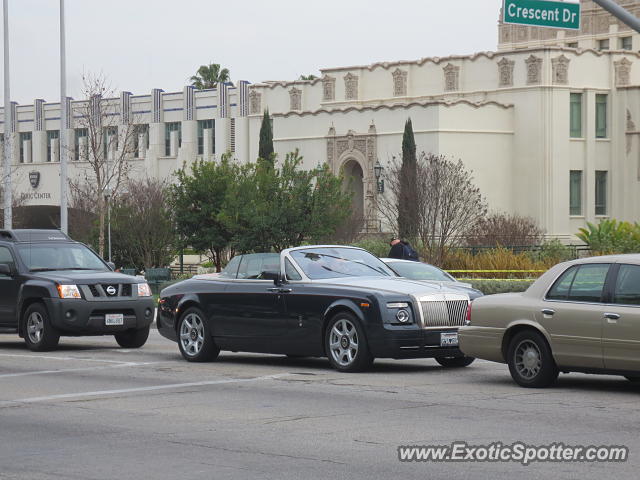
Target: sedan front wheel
(530,360)
(346,344)
(194,338)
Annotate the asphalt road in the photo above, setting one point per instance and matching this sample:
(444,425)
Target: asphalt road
(91,410)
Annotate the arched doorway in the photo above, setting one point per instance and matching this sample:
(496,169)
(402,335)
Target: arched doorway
(354,182)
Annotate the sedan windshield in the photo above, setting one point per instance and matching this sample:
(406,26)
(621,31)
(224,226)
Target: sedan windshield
(59,256)
(420,271)
(335,262)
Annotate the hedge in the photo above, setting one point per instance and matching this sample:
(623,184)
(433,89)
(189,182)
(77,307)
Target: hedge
(490,286)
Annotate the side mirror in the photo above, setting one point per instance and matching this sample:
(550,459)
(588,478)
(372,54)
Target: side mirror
(111,265)
(5,270)
(270,275)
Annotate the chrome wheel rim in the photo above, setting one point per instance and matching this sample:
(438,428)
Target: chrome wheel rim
(192,334)
(343,342)
(528,359)
(35,327)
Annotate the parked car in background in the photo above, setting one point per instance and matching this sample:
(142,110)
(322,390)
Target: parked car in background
(580,316)
(423,272)
(52,286)
(339,302)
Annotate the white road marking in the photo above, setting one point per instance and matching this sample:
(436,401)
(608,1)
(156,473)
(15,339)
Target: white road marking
(50,357)
(100,393)
(103,367)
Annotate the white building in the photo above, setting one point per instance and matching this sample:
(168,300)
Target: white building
(548,129)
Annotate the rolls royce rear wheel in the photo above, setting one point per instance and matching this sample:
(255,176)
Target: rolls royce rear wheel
(194,337)
(530,360)
(346,344)
(455,362)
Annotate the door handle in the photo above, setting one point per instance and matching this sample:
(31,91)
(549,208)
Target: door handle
(612,316)
(548,311)
(279,290)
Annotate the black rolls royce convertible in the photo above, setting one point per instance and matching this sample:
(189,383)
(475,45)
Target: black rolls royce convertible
(340,302)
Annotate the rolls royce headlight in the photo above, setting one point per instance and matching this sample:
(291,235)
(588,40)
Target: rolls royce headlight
(398,305)
(403,316)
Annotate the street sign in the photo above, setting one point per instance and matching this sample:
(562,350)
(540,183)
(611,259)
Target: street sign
(542,13)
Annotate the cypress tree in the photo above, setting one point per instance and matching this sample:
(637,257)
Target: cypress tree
(407,210)
(265,148)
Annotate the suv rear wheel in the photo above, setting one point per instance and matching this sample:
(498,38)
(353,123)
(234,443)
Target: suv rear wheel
(132,338)
(39,334)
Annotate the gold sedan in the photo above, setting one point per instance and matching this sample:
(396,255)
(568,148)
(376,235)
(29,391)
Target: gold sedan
(580,316)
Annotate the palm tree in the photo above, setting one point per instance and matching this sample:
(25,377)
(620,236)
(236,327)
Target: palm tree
(208,76)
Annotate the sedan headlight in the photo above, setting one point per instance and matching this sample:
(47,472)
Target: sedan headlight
(144,290)
(69,291)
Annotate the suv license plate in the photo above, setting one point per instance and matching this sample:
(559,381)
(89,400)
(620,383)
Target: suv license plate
(114,319)
(449,339)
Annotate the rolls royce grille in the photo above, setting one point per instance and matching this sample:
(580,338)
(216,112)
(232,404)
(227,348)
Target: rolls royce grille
(444,313)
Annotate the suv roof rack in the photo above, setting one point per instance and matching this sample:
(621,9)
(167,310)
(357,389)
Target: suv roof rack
(33,235)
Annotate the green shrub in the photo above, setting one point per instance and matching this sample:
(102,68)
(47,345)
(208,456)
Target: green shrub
(377,246)
(611,236)
(554,251)
(490,286)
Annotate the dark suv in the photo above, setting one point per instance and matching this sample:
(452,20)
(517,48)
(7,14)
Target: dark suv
(51,285)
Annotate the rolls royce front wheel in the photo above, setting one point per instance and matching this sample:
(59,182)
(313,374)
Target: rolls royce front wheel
(455,362)
(346,344)
(194,338)
(530,360)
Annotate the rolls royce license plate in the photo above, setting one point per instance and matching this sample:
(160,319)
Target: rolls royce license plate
(114,319)
(449,339)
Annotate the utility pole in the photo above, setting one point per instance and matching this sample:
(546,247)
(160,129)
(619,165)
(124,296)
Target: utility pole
(622,14)
(64,151)
(8,197)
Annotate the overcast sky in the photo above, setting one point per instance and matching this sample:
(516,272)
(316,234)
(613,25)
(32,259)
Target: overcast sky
(143,44)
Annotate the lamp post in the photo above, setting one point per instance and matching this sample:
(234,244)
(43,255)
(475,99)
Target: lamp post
(107,197)
(377,171)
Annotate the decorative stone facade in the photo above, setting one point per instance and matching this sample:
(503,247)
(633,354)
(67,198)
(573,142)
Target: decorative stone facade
(295,99)
(505,72)
(560,70)
(350,86)
(623,72)
(328,88)
(399,83)
(534,70)
(255,103)
(451,78)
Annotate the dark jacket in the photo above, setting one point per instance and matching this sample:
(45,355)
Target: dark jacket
(397,251)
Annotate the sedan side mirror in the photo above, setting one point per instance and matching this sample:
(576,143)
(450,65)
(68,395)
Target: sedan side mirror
(112,266)
(5,270)
(270,275)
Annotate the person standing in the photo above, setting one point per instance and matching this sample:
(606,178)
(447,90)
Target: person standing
(402,250)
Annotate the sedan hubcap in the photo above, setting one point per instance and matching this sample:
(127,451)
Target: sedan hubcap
(35,327)
(343,342)
(192,334)
(528,360)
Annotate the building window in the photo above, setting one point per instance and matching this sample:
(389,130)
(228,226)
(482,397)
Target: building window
(140,140)
(603,44)
(53,146)
(575,115)
(575,192)
(81,133)
(572,45)
(110,141)
(171,127)
(23,136)
(601,192)
(626,43)
(206,128)
(601,116)
(232,135)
